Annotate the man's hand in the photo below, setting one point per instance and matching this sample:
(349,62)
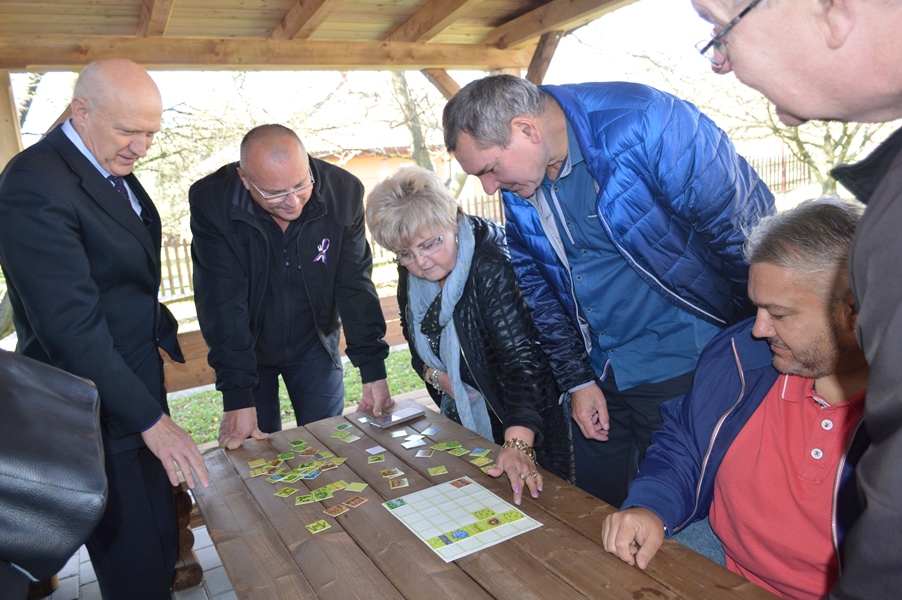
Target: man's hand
(634,535)
(173,446)
(237,426)
(590,411)
(375,397)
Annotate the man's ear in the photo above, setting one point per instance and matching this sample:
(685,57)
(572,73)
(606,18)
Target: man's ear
(243,178)
(526,126)
(838,18)
(80,109)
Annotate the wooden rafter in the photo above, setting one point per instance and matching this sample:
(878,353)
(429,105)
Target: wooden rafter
(541,58)
(442,82)
(431,20)
(10,137)
(303,19)
(556,15)
(61,52)
(154,17)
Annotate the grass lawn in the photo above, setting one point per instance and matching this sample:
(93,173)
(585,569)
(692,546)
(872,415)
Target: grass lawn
(199,413)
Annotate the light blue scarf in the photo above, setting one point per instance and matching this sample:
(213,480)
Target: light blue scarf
(421,294)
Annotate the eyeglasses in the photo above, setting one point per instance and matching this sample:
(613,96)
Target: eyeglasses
(406,258)
(714,49)
(280,197)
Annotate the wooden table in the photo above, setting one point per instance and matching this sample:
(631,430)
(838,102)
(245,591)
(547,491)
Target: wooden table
(268,553)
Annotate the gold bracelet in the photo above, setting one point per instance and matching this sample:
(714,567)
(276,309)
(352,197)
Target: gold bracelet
(518,444)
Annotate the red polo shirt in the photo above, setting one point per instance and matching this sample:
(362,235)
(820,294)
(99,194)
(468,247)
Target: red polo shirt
(773,493)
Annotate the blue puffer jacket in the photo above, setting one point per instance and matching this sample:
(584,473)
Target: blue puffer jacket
(674,197)
(734,375)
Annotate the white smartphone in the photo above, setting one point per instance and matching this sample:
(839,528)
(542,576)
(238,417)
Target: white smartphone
(396,418)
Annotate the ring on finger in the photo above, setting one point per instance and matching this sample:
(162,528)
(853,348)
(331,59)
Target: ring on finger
(534,474)
(522,475)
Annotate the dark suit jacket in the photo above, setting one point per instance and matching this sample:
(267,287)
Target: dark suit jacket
(83,273)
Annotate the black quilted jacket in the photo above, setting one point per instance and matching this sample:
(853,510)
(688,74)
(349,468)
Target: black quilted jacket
(499,344)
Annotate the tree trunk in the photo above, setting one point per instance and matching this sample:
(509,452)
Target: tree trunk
(418,150)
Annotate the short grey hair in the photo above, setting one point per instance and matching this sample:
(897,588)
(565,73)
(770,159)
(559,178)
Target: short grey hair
(410,202)
(484,109)
(814,237)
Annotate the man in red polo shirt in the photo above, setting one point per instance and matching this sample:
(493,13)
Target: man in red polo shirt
(764,444)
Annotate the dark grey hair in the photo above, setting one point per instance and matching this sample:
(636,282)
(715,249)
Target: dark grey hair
(814,237)
(411,202)
(484,109)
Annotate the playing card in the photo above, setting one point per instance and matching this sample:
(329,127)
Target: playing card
(441,470)
(375,450)
(399,433)
(398,483)
(317,526)
(350,438)
(375,459)
(336,510)
(354,502)
(425,453)
(431,430)
(413,444)
(285,492)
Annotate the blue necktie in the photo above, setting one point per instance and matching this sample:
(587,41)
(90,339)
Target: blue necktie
(119,184)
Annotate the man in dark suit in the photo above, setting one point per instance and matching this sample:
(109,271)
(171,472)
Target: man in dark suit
(80,249)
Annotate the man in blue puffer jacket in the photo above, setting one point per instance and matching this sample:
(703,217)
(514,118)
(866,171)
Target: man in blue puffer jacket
(766,440)
(626,214)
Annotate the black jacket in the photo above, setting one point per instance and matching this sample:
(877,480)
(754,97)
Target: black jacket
(499,345)
(83,274)
(231,265)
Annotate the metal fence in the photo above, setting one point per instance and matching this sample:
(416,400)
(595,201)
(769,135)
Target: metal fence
(782,174)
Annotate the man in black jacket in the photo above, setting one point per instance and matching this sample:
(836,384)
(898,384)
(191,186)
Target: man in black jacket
(279,251)
(80,248)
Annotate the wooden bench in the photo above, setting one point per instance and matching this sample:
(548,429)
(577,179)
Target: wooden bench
(196,372)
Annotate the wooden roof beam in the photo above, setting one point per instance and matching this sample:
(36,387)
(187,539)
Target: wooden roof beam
(556,15)
(10,136)
(303,19)
(442,82)
(154,17)
(541,58)
(431,20)
(73,53)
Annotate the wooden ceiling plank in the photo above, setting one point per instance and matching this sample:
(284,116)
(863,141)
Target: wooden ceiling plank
(303,19)
(73,53)
(431,20)
(10,136)
(541,58)
(442,82)
(556,15)
(154,17)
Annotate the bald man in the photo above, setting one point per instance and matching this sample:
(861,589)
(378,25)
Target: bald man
(80,249)
(279,253)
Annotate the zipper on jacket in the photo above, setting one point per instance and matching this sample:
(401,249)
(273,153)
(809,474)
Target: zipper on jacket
(714,434)
(833,509)
(636,265)
(310,298)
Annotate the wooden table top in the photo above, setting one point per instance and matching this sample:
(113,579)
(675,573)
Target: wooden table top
(367,553)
